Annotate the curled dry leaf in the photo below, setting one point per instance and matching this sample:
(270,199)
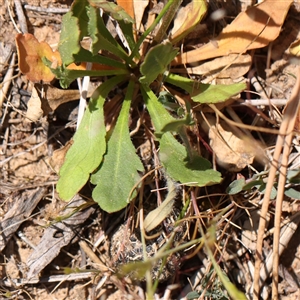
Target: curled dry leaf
(252,29)
(232,66)
(30,54)
(232,153)
(55,97)
(156,216)
(128,6)
(295,48)
(45,99)
(34,106)
(139,9)
(58,157)
(187,18)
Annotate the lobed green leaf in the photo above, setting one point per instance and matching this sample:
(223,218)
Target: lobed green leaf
(67,76)
(236,186)
(101,37)
(72,31)
(112,9)
(174,158)
(118,173)
(89,145)
(159,115)
(156,61)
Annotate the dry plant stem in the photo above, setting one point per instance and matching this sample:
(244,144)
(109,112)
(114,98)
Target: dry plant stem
(7,79)
(166,21)
(53,10)
(89,252)
(11,16)
(242,125)
(290,115)
(265,102)
(286,233)
(20,282)
(285,129)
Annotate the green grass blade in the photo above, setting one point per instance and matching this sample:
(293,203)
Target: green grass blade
(233,292)
(167,6)
(118,173)
(115,11)
(89,145)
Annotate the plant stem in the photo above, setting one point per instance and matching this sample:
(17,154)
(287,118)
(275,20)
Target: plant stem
(171,5)
(183,134)
(167,19)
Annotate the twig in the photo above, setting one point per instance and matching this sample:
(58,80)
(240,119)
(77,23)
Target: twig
(48,279)
(242,125)
(95,259)
(286,233)
(265,102)
(7,79)
(21,16)
(52,10)
(22,236)
(11,16)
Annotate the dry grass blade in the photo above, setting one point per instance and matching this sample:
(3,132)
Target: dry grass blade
(7,79)
(283,141)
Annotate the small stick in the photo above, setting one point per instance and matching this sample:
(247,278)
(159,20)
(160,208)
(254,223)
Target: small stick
(7,79)
(21,16)
(266,102)
(52,10)
(54,278)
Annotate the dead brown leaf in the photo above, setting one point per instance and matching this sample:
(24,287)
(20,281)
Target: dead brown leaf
(231,152)
(295,48)
(34,106)
(46,98)
(252,29)
(128,6)
(30,54)
(58,157)
(239,65)
(139,9)
(187,18)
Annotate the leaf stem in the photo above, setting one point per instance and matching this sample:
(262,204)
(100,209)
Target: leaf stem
(172,6)
(167,19)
